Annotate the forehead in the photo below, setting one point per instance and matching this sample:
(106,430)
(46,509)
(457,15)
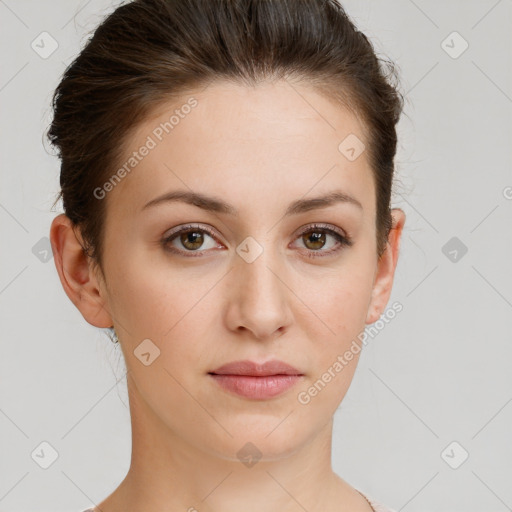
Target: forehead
(269,141)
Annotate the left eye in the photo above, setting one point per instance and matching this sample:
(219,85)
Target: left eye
(317,239)
(314,238)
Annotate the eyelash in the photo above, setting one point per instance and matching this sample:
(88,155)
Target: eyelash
(343,240)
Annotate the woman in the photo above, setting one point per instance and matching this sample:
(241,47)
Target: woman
(226,178)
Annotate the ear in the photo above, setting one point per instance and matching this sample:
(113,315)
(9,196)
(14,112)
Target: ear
(386,266)
(77,274)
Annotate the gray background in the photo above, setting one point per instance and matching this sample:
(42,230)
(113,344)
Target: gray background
(438,373)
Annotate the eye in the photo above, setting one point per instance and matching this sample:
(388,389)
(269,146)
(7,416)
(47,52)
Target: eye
(315,238)
(190,237)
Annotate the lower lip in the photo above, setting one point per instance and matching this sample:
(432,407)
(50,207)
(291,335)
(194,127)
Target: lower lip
(258,388)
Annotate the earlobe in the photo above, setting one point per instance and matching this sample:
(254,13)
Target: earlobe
(386,266)
(75,272)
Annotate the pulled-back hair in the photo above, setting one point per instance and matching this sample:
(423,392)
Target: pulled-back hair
(148,52)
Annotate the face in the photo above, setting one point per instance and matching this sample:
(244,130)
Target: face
(255,270)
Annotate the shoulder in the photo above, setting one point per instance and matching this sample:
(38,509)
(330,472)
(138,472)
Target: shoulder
(379,507)
(376,505)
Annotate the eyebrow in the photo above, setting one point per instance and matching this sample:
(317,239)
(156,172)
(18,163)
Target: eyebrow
(214,204)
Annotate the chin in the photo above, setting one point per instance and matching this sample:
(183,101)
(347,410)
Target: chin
(264,440)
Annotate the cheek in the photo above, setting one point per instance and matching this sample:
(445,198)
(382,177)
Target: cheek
(141,302)
(349,307)
(337,349)
(343,308)
(341,300)
(172,308)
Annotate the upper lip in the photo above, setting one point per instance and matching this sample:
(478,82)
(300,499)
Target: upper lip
(250,368)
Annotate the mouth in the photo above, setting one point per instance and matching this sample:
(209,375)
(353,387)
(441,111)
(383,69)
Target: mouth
(253,369)
(256,381)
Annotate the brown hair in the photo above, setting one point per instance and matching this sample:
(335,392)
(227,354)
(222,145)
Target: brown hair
(147,52)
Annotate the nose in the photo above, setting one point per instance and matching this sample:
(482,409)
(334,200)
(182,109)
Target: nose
(259,298)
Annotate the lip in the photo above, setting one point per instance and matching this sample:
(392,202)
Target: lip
(256,381)
(252,369)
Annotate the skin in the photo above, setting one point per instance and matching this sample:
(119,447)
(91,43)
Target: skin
(257,148)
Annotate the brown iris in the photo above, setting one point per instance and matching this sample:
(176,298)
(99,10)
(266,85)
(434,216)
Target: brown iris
(317,238)
(192,239)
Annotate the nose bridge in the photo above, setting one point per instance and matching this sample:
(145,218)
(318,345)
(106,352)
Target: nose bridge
(256,269)
(261,299)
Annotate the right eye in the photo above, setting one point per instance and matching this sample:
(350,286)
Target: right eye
(191,238)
